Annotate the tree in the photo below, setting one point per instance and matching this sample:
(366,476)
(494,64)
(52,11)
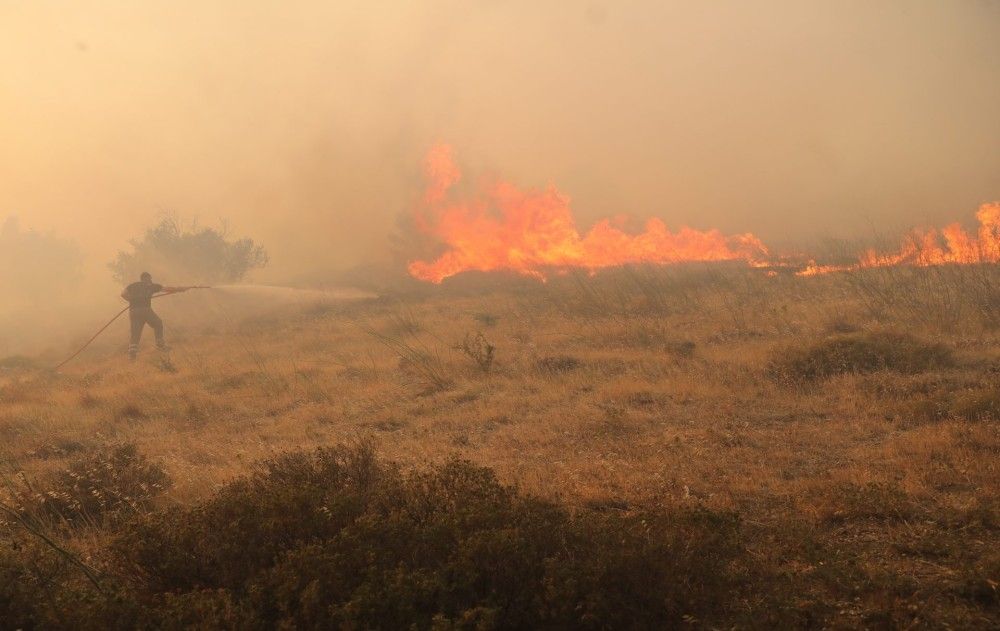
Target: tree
(202,255)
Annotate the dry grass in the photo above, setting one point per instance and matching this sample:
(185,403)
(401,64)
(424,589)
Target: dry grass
(868,495)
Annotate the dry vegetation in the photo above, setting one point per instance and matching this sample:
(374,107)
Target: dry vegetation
(648,447)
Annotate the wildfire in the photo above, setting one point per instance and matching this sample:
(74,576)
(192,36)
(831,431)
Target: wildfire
(532,232)
(923,248)
(501,227)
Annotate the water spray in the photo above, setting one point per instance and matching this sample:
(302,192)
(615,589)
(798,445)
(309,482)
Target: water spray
(118,315)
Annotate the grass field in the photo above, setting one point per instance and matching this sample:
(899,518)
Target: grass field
(842,429)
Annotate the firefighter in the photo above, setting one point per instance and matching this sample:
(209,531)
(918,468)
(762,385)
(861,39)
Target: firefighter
(140,311)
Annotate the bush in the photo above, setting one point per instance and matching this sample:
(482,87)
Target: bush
(859,353)
(197,255)
(338,539)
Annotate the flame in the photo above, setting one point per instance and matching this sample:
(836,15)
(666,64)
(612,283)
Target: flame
(533,232)
(923,248)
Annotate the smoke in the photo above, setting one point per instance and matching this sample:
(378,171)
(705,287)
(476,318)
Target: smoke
(303,123)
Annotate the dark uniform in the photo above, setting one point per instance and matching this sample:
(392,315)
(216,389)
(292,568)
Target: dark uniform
(140,312)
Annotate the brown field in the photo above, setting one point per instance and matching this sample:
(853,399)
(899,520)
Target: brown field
(849,421)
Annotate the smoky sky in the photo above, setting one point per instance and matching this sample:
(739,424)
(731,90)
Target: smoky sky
(303,123)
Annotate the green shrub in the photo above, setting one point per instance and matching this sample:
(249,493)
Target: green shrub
(24,570)
(291,499)
(338,539)
(205,255)
(858,353)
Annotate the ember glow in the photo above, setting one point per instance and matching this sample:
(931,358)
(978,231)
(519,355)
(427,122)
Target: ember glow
(923,248)
(533,232)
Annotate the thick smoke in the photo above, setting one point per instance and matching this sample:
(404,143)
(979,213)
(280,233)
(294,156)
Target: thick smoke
(303,124)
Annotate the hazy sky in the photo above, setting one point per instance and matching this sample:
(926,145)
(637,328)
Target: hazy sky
(304,122)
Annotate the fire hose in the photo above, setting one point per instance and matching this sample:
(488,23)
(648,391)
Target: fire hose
(112,321)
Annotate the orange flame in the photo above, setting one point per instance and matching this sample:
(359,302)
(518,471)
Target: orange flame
(923,248)
(530,232)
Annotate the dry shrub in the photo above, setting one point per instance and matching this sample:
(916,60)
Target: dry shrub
(14,391)
(970,404)
(949,297)
(841,325)
(870,502)
(89,401)
(28,570)
(858,353)
(480,350)
(57,448)
(972,395)
(558,363)
(416,359)
(17,362)
(402,323)
(979,584)
(426,368)
(103,486)
(486,318)
(339,539)
(977,405)
(230,382)
(129,412)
